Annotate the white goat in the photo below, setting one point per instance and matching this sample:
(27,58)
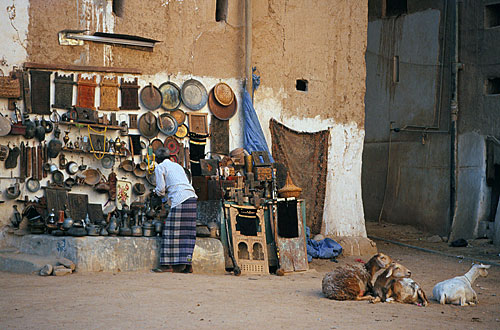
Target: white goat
(458,290)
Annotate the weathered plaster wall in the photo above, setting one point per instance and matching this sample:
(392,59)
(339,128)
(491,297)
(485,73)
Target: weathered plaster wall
(321,41)
(14,22)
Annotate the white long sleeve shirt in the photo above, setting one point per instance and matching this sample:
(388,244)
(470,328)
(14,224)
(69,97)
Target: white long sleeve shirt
(171,178)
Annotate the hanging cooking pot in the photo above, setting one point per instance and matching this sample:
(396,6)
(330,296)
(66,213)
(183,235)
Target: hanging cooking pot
(107,161)
(171,94)
(148,126)
(69,182)
(13,191)
(92,176)
(167,124)
(139,171)
(54,148)
(139,189)
(5,125)
(58,177)
(127,165)
(30,129)
(194,94)
(151,97)
(39,131)
(33,185)
(71,167)
(47,125)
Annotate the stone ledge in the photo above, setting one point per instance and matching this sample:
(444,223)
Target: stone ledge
(119,253)
(23,263)
(356,246)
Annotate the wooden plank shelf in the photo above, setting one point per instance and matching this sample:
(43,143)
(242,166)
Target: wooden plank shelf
(76,124)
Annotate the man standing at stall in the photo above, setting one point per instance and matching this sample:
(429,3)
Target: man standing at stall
(179,231)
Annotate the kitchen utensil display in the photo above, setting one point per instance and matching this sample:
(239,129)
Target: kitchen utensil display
(171,94)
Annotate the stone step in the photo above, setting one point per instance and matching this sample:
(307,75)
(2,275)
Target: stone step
(22,263)
(115,254)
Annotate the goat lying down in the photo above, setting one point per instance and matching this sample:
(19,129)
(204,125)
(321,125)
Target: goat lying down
(352,282)
(458,290)
(407,291)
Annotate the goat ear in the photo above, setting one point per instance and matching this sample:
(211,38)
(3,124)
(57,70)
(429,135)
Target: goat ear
(485,266)
(389,272)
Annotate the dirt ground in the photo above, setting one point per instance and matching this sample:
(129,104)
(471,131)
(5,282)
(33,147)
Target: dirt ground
(192,301)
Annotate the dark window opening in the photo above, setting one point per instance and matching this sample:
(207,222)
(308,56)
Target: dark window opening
(492,15)
(221,11)
(301,85)
(493,86)
(118,8)
(288,221)
(396,7)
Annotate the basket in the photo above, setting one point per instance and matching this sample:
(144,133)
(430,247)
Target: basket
(289,190)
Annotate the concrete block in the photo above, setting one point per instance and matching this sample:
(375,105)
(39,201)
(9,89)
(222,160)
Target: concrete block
(22,263)
(356,246)
(208,256)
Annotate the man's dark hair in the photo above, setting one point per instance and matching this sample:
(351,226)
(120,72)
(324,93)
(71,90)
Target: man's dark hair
(161,154)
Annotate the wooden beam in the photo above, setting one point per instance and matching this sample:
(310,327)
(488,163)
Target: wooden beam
(66,67)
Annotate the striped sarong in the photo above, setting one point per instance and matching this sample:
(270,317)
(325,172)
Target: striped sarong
(179,234)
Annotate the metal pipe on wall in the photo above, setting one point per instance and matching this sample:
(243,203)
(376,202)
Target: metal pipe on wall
(248,45)
(454,170)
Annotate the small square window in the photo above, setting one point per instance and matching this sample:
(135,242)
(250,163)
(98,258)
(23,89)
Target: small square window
(493,86)
(492,15)
(301,85)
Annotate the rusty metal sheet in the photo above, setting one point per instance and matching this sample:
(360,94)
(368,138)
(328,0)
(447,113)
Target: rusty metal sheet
(63,91)
(109,94)
(292,251)
(86,92)
(130,95)
(95,213)
(56,199)
(40,92)
(78,206)
(219,134)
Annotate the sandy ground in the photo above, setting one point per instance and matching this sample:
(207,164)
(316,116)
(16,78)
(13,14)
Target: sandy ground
(191,301)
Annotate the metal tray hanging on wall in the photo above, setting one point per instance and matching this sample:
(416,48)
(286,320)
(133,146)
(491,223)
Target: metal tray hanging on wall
(63,91)
(171,94)
(167,124)
(194,94)
(148,126)
(179,115)
(151,97)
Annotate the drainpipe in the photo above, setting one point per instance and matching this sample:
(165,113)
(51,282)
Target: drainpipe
(454,168)
(248,45)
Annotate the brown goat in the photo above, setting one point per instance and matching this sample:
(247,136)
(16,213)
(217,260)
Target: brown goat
(353,282)
(406,290)
(382,287)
